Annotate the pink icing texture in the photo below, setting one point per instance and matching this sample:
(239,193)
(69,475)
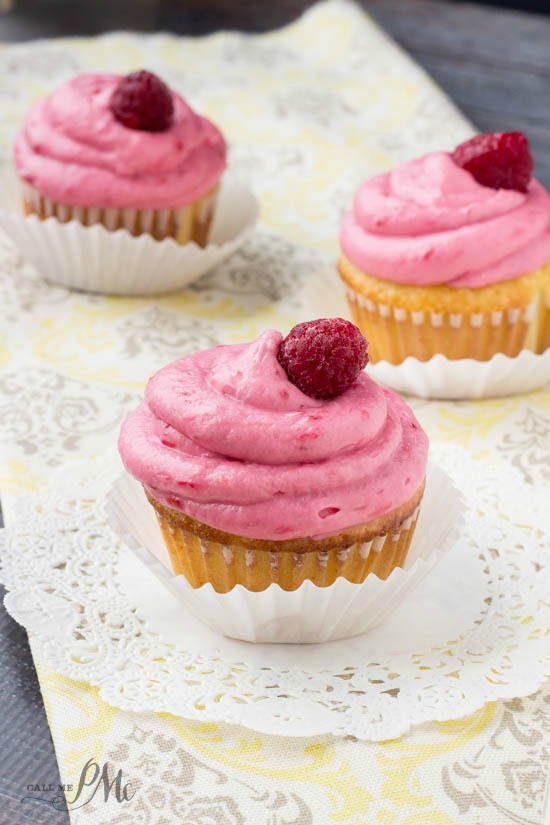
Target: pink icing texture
(430,222)
(224,437)
(73,151)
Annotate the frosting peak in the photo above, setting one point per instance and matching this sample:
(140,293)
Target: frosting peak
(255,377)
(74,151)
(224,437)
(430,222)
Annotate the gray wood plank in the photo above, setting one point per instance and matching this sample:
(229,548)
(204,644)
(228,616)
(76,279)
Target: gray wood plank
(494,64)
(482,36)
(26,750)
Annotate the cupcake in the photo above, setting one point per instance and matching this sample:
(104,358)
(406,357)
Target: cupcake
(450,253)
(125,152)
(278,461)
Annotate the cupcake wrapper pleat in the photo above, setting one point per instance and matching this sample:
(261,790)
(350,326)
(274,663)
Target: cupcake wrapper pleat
(201,560)
(395,333)
(542,342)
(185,223)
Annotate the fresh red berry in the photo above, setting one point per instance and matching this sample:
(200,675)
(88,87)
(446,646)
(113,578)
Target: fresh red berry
(323,358)
(500,160)
(143,101)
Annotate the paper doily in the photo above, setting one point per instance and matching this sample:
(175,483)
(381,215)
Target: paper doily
(474,631)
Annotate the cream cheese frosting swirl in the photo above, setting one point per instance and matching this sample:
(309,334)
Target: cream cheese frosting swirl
(73,151)
(225,438)
(430,222)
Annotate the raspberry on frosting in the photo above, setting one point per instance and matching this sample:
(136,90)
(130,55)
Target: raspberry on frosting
(324,357)
(143,101)
(74,151)
(500,160)
(429,221)
(223,437)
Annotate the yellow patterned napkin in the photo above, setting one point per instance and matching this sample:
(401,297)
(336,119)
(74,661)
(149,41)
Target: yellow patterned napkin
(309,110)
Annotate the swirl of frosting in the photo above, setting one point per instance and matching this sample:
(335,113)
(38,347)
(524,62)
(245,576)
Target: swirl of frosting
(225,438)
(73,150)
(430,222)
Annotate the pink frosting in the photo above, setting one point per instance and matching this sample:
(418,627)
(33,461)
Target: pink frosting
(430,222)
(224,437)
(73,150)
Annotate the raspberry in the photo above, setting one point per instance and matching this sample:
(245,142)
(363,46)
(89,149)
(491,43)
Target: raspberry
(143,101)
(323,358)
(500,160)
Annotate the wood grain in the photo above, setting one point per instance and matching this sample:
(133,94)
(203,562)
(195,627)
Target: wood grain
(494,64)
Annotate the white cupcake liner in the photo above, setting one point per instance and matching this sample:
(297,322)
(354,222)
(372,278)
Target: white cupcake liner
(176,223)
(440,377)
(309,614)
(95,259)
(222,563)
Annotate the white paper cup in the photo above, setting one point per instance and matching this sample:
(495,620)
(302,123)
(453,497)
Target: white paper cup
(185,223)
(440,377)
(309,614)
(96,259)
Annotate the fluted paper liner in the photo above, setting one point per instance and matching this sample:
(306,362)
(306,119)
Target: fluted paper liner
(97,259)
(310,613)
(439,377)
(225,565)
(187,223)
(396,333)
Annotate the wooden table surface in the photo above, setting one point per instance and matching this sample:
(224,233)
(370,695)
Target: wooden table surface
(495,64)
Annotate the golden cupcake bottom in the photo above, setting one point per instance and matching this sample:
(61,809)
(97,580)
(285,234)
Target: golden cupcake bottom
(187,223)
(401,321)
(203,554)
